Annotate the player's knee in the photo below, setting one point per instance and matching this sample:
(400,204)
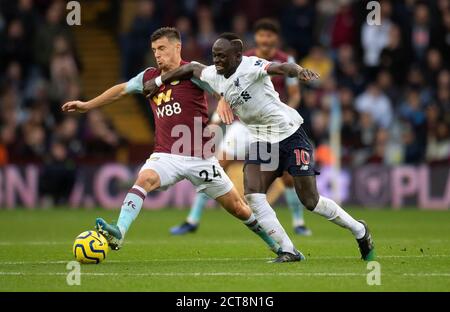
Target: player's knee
(310,201)
(149,180)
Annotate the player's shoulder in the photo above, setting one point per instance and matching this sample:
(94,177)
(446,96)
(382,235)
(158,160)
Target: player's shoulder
(210,71)
(251,64)
(251,61)
(250,58)
(151,72)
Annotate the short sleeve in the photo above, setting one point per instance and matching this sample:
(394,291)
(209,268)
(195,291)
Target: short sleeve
(208,75)
(258,66)
(135,84)
(203,85)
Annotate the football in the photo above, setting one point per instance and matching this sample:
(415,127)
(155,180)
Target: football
(90,247)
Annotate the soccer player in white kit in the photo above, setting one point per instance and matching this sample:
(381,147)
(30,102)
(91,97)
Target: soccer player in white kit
(237,136)
(280,142)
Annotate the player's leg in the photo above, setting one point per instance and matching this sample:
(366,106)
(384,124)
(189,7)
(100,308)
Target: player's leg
(190,225)
(256,184)
(298,160)
(295,206)
(236,206)
(209,177)
(160,171)
(307,191)
(147,181)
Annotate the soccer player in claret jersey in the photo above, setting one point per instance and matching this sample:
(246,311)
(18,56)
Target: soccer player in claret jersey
(236,139)
(179,104)
(245,84)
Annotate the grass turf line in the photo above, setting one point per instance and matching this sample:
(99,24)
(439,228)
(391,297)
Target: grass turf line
(413,248)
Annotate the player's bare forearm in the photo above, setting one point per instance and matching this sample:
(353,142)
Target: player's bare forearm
(181,73)
(285,69)
(110,95)
(292,70)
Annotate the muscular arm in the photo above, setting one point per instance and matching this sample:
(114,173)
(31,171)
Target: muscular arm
(184,72)
(292,70)
(110,95)
(181,73)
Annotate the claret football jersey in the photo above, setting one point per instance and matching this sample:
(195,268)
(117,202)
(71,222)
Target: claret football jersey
(180,111)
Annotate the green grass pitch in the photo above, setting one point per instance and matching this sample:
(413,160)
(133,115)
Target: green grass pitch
(413,249)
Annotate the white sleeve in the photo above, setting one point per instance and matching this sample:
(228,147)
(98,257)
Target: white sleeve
(208,75)
(135,84)
(258,66)
(203,85)
(291,81)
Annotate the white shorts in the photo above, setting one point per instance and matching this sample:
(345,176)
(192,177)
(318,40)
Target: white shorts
(236,141)
(206,174)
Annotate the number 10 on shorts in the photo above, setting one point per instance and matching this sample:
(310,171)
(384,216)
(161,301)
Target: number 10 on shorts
(301,157)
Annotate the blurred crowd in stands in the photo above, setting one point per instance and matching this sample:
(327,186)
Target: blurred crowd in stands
(39,71)
(392,80)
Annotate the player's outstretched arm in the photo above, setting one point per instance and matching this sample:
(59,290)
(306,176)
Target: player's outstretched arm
(292,70)
(106,97)
(184,72)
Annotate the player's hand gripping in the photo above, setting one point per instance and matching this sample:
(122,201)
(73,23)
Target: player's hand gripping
(150,88)
(225,112)
(75,106)
(307,75)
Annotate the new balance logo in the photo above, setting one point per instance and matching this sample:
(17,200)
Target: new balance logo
(246,96)
(304,167)
(236,82)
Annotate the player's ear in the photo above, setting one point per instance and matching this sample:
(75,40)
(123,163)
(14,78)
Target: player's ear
(178,46)
(239,55)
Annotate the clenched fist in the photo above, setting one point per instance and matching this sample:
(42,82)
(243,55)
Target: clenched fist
(307,75)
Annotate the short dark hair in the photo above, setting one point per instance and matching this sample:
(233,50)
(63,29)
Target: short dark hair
(234,39)
(168,32)
(267,24)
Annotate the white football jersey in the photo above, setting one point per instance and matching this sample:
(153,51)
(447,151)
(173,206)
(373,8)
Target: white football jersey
(252,97)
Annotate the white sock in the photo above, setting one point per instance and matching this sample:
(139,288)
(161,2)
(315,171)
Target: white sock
(254,225)
(268,220)
(329,209)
